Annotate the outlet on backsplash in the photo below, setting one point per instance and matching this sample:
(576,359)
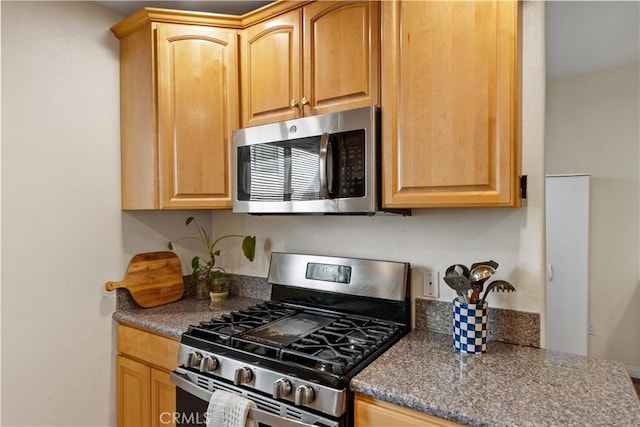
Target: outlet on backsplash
(431,288)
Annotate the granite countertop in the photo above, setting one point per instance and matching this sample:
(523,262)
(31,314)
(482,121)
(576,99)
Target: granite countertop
(173,319)
(510,385)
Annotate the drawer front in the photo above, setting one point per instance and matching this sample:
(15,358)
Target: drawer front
(153,349)
(376,413)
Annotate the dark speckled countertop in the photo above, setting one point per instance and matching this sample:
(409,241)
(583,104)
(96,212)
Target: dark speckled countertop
(173,319)
(510,385)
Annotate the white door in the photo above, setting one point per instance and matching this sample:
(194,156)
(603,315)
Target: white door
(567,241)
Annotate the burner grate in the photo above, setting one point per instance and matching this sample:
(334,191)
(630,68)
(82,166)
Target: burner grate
(340,345)
(325,342)
(221,330)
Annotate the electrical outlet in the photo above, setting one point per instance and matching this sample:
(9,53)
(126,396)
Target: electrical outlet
(591,328)
(431,284)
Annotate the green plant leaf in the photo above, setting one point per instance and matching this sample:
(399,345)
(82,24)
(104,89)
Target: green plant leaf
(188,221)
(249,247)
(216,253)
(195,262)
(170,246)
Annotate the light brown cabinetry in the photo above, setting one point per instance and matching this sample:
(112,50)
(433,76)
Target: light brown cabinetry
(272,69)
(375,413)
(179,105)
(133,382)
(449,104)
(145,396)
(321,58)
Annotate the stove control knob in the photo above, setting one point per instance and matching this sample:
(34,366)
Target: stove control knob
(193,359)
(208,364)
(281,388)
(304,395)
(242,376)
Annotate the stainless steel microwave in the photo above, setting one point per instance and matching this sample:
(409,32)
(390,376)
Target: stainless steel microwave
(324,164)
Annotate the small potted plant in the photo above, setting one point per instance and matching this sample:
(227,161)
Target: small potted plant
(209,278)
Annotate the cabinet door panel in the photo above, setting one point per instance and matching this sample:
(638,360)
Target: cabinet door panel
(197,110)
(139,152)
(133,392)
(163,399)
(449,104)
(376,413)
(271,76)
(341,55)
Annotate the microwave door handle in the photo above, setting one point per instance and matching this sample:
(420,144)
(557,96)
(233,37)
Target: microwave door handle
(324,182)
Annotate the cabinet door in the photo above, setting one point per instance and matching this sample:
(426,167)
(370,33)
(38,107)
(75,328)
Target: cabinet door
(341,55)
(375,413)
(163,399)
(449,104)
(271,76)
(133,381)
(197,110)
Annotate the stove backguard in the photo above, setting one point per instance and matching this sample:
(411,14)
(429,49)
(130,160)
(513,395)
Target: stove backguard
(371,288)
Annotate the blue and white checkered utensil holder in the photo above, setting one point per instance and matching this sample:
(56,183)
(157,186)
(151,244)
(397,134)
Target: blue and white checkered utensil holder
(469,327)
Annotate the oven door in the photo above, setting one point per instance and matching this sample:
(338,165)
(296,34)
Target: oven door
(193,392)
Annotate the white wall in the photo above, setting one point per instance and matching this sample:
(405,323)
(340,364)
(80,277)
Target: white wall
(64,235)
(434,239)
(593,127)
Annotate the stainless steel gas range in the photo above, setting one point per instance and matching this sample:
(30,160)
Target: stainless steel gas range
(294,356)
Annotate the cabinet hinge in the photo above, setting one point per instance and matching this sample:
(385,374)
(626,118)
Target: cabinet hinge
(523,186)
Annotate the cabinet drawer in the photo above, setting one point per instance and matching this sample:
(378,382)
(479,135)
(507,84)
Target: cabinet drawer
(153,349)
(375,413)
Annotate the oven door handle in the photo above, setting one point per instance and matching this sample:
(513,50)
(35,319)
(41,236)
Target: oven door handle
(259,415)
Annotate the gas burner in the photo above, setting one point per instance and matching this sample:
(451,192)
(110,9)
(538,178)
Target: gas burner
(327,352)
(231,330)
(230,324)
(358,337)
(362,330)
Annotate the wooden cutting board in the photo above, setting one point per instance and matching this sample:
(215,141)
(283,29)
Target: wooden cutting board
(152,279)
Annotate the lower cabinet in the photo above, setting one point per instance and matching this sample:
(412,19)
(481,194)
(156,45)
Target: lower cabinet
(371,412)
(145,396)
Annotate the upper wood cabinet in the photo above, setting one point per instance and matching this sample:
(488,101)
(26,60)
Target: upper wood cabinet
(179,105)
(272,69)
(318,59)
(341,55)
(444,73)
(449,103)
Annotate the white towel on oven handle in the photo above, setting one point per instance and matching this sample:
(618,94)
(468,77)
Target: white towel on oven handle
(229,410)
